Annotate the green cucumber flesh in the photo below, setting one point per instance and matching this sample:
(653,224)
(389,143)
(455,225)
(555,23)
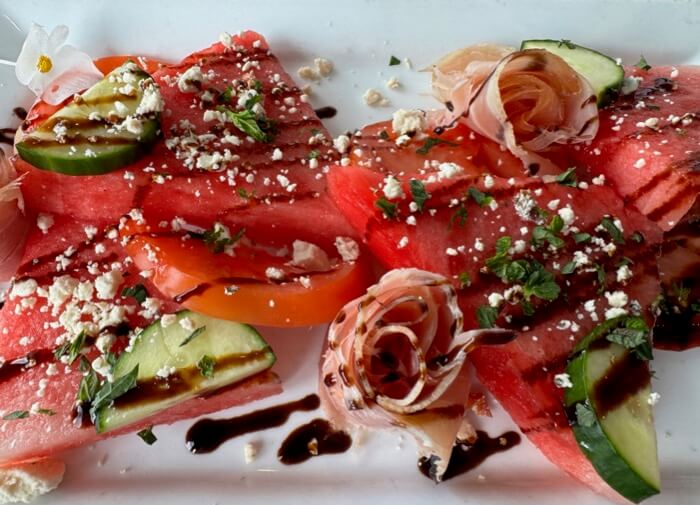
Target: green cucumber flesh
(603,73)
(88,136)
(620,441)
(237,351)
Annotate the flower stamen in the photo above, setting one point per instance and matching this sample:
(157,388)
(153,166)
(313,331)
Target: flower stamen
(44,64)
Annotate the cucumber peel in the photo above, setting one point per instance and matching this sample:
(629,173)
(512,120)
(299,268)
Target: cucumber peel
(107,127)
(618,437)
(603,73)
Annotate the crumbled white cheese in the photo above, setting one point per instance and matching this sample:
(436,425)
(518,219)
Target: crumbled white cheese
(403,242)
(374,98)
(392,188)
(654,398)
(496,300)
(624,273)
(341,143)
(44,222)
(630,85)
(489,182)
(563,380)
(191,79)
(309,256)
(640,163)
(24,482)
(275,274)
(348,249)
(107,284)
(323,66)
(449,170)
(450,251)
(524,203)
(617,298)
(567,215)
(23,288)
(405,121)
(393,83)
(167,319)
(276,154)
(250,451)
(308,73)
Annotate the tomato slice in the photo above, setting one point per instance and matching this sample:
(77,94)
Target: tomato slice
(108,63)
(237,287)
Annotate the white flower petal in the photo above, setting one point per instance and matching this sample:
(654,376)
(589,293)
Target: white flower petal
(33,47)
(58,37)
(78,72)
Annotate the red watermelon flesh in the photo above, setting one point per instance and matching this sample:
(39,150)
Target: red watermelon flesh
(520,375)
(32,323)
(648,144)
(167,183)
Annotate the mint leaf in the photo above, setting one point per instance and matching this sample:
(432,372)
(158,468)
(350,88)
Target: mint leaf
(482,199)
(459,215)
(258,128)
(17,414)
(206,366)
(393,61)
(193,335)
(486,316)
(137,291)
(147,435)
(387,207)
(585,416)
(465,280)
(420,195)
(615,233)
(568,178)
(110,391)
(431,142)
(582,237)
(642,64)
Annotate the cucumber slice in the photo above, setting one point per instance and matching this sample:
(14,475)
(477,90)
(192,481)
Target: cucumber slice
(603,73)
(105,128)
(169,361)
(612,418)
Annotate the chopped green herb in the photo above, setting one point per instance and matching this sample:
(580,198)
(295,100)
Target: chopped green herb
(601,277)
(568,178)
(634,339)
(569,268)
(642,63)
(71,349)
(193,335)
(17,414)
(584,415)
(387,207)
(695,307)
(420,195)
(651,106)
(394,61)
(582,237)
(503,245)
(637,237)
(431,142)
(384,135)
(459,215)
(486,316)
(314,154)
(465,280)
(567,43)
(548,234)
(315,131)
(147,435)
(242,192)
(257,85)
(206,366)
(137,291)
(615,233)
(89,385)
(482,199)
(217,238)
(541,284)
(258,128)
(110,391)
(46,412)
(227,94)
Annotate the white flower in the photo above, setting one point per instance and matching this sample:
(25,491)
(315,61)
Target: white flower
(52,70)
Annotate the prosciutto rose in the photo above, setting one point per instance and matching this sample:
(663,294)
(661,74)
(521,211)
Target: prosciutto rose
(525,100)
(397,357)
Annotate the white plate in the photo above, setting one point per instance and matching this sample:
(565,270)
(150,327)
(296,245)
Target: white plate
(360,37)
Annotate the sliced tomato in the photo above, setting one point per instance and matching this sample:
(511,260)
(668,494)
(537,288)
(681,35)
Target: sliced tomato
(108,63)
(186,271)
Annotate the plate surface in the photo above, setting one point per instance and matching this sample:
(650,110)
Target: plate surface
(359,37)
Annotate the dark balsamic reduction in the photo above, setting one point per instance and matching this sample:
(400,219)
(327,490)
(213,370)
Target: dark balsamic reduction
(677,332)
(623,380)
(20,112)
(466,456)
(315,438)
(326,112)
(12,368)
(208,434)
(7,136)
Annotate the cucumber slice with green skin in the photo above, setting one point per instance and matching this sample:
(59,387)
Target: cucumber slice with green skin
(169,360)
(105,128)
(612,417)
(603,73)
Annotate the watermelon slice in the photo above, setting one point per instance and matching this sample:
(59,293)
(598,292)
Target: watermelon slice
(456,233)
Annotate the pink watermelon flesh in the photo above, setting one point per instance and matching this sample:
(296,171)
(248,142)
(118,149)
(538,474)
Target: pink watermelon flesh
(520,375)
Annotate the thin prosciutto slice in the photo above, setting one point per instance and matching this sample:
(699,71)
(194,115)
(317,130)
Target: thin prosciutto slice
(396,357)
(13,224)
(525,100)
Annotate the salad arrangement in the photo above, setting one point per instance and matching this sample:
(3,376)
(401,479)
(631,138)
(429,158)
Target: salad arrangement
(537,226)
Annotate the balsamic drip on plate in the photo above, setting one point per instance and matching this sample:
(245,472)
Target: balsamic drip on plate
(315,438)
(208,434)
(326,112)
(20,113)
(7,136)
(467,456)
